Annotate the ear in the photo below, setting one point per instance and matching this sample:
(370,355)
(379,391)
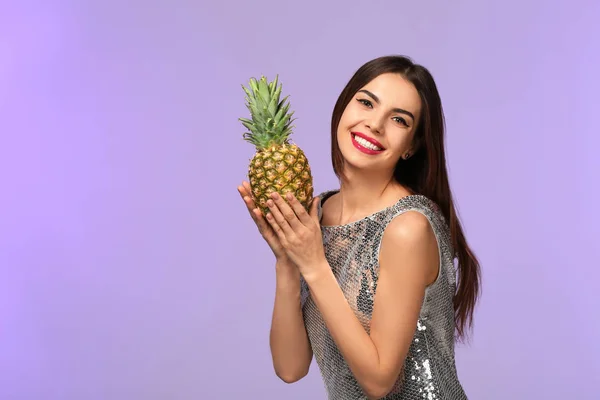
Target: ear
(414,147)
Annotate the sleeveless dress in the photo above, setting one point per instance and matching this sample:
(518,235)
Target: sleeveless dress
(352,251)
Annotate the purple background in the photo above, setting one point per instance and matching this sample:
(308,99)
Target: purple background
(129,266)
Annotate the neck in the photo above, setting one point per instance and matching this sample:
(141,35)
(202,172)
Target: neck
(362,193)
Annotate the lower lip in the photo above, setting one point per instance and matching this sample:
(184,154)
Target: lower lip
(363,149)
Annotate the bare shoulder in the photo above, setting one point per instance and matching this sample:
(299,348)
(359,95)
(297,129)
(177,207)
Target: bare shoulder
(409,242)
(411,227)
(329,208)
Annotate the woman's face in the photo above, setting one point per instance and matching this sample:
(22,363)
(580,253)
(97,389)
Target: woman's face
(378,124)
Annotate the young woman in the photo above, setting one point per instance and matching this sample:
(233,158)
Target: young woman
(366,280)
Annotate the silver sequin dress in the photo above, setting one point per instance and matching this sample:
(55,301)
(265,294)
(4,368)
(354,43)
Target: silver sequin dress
(352,251)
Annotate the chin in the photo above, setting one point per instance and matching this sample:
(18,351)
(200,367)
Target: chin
(357,161)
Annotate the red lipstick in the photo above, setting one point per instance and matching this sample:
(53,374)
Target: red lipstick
(368,139)
(362,148)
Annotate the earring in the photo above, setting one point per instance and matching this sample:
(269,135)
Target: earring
(406,155)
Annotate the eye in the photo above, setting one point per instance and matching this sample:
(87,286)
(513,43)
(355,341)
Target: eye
(366,103)
(401,121)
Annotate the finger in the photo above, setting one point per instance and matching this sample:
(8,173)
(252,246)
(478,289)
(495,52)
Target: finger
(247,196)
(245,190)
(261,222)
(242,191)
(255,213)
(247,187)
(276,228)
(314,210)
(249,204)
(279,218)
(286,211)
(298,209)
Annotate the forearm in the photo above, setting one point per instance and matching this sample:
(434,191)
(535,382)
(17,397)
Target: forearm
(355,344)
(289,343)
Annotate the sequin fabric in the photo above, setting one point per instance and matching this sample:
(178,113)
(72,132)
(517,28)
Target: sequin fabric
(352,251)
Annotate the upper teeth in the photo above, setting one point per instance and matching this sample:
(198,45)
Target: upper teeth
(365,143)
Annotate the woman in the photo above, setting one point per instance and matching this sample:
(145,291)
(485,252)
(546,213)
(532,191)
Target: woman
(366,279)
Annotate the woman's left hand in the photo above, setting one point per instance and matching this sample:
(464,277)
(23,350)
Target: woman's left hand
(299,231)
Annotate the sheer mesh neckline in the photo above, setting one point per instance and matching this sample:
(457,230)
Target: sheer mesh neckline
(326,195)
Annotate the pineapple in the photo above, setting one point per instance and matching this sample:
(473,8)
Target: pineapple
(278,165)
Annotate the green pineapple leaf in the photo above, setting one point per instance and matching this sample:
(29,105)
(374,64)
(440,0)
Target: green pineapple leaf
(270,121)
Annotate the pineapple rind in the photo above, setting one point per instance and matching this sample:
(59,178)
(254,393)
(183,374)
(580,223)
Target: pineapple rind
(280,169)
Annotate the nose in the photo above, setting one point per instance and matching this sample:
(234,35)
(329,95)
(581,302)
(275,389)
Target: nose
(375,124)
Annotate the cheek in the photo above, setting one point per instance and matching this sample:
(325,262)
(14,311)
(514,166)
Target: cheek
(397,143)
(402,138)
(343,127)
(350,117)
(341,137)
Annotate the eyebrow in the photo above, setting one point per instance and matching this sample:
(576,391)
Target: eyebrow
(398,110)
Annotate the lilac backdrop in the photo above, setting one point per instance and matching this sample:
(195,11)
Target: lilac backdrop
(129,266)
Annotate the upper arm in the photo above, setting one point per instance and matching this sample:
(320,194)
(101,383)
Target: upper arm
(409,262)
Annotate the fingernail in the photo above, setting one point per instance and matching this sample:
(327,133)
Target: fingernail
(274,195)
(289,196)
(270,203)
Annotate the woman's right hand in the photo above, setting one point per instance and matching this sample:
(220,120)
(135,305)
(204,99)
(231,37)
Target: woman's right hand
(263,226)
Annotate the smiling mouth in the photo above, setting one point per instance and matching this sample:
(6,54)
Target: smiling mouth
(364,145)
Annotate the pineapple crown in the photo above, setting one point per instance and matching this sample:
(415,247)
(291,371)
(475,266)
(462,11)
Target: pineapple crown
(270,123)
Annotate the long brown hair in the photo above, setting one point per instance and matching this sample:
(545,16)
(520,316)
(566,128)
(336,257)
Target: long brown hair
(425,171)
